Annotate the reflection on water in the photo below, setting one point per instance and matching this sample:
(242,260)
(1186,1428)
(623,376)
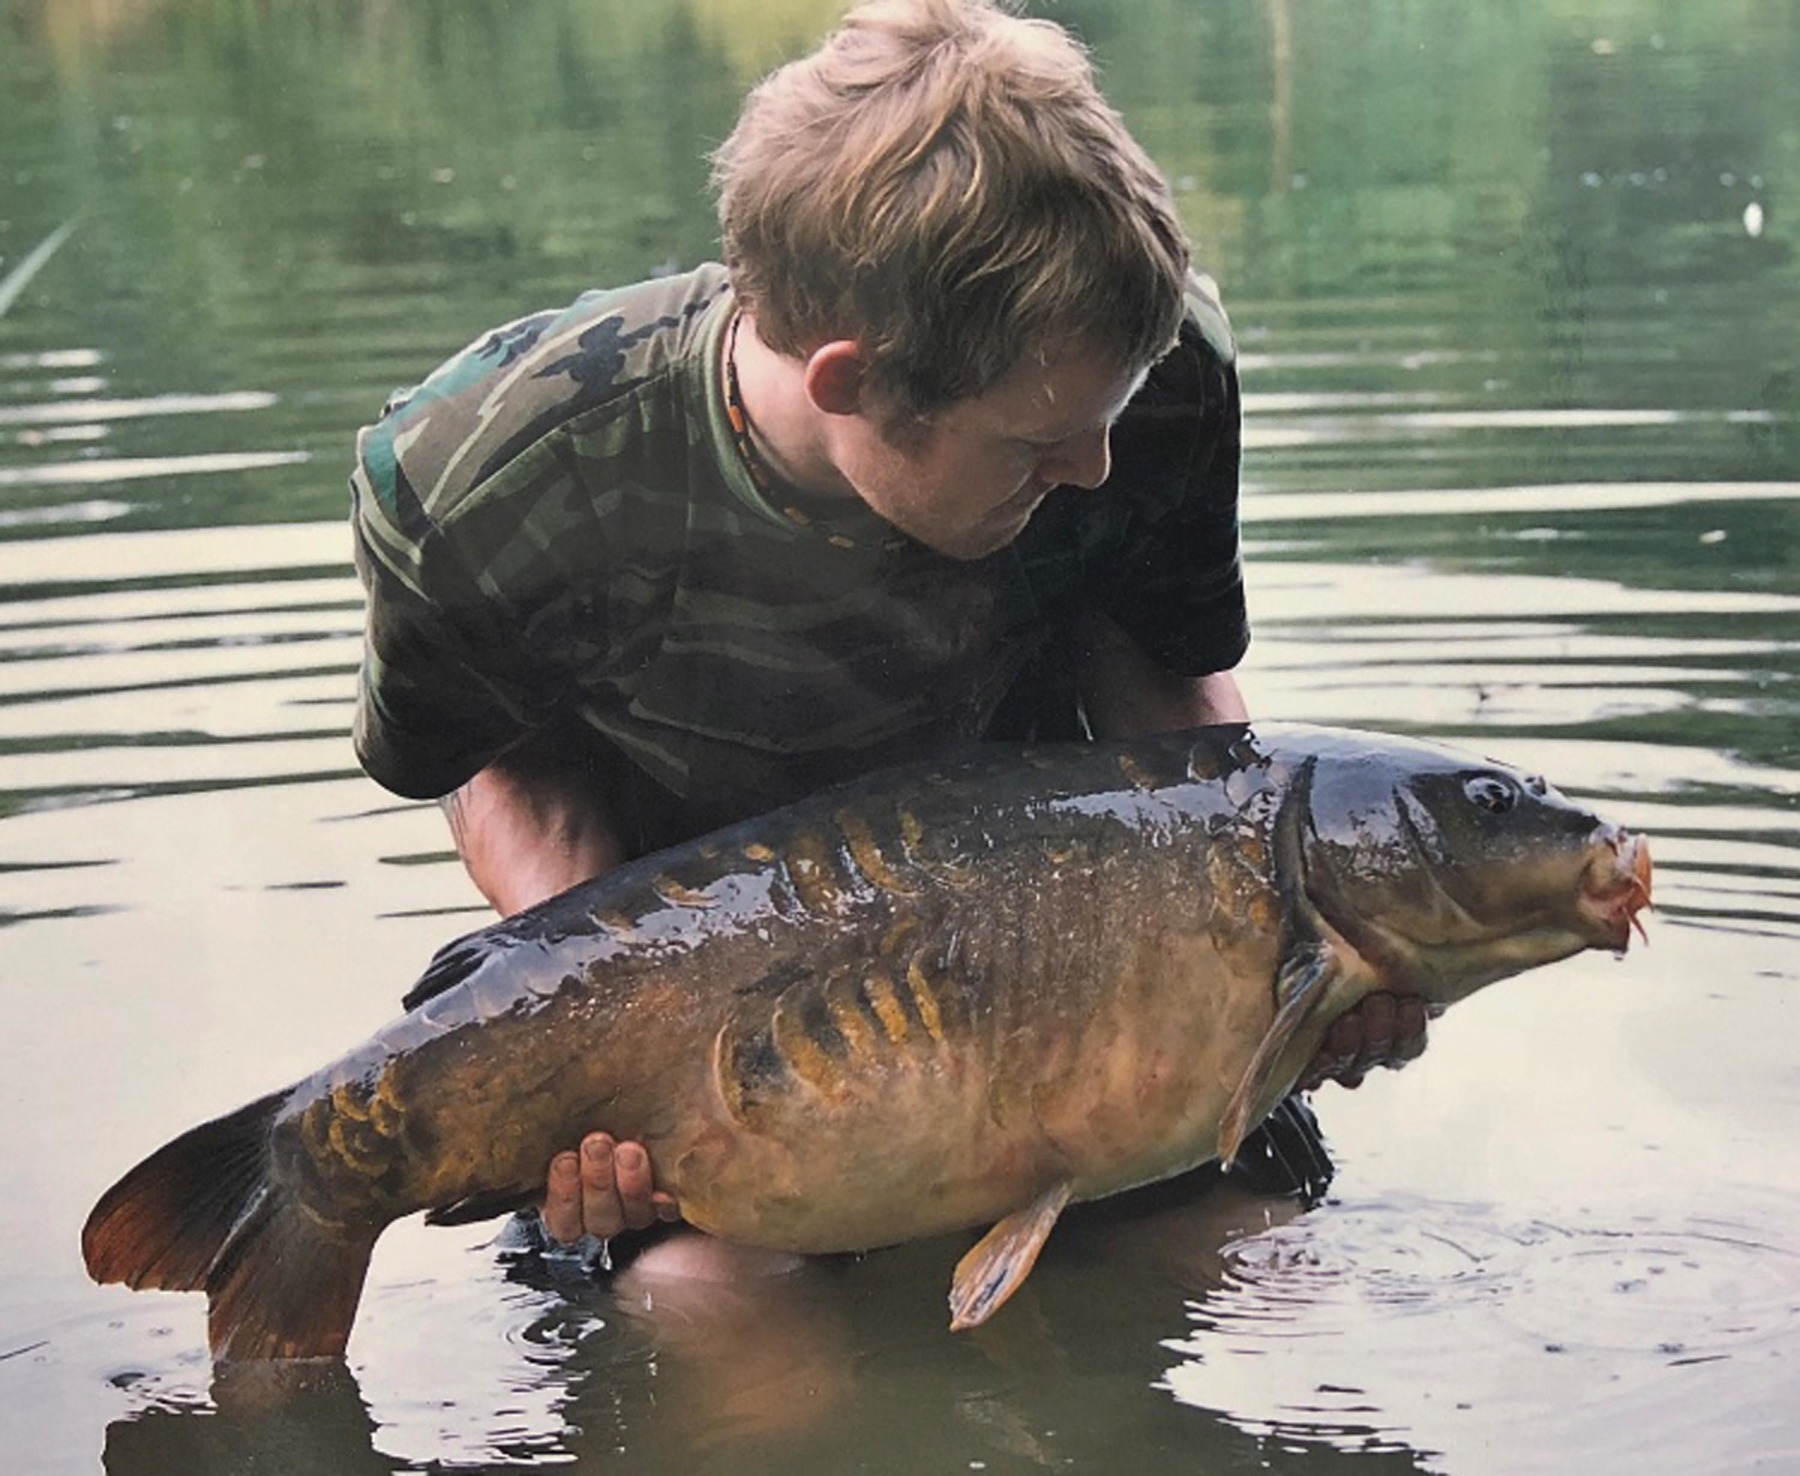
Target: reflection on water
(1523,473)
(1338,1328)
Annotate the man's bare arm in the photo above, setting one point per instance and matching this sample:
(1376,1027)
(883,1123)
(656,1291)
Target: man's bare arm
(1126,693)
(526,833)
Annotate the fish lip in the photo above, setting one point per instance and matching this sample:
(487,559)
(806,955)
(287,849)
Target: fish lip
(1617,887)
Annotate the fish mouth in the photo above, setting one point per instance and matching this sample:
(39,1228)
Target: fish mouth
(1617,888)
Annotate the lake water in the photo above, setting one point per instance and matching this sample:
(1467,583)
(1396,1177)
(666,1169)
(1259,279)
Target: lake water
(1517,292)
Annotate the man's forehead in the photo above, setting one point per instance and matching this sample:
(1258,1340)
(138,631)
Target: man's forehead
(1069,394)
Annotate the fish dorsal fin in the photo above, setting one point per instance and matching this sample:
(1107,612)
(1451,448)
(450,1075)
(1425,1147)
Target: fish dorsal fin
(997,1265)
(449,966)
(1310,982)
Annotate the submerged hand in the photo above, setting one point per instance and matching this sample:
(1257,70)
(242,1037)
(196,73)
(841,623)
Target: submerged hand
(605,1188)
(1384,1030)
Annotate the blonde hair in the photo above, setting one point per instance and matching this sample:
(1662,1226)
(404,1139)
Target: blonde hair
(942,182)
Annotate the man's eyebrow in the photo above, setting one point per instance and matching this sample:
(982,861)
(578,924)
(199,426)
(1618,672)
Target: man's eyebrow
(1108,420)
(1058,436)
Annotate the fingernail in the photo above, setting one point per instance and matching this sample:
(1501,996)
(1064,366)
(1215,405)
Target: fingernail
(631,1157)
(597,1152)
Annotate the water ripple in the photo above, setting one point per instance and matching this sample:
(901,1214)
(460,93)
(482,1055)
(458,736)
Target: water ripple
(68,412)
(1352,1304)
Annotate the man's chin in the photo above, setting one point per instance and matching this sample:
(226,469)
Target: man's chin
(971,548)
(990,537)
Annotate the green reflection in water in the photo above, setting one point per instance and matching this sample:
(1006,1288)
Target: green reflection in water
(1474,207)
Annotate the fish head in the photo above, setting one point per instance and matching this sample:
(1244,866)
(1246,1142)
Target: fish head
(1447,872)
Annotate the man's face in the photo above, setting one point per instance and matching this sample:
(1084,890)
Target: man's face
(966,479)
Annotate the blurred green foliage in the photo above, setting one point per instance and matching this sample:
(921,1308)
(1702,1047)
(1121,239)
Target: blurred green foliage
(1501,203)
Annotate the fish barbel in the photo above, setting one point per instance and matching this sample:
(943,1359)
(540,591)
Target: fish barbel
(947,995)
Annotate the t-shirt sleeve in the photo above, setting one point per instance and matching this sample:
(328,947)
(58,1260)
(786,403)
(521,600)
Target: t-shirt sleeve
(1174,580)
(443,689)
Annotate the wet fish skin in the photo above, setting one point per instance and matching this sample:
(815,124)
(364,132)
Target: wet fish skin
(877,957)
(945,996)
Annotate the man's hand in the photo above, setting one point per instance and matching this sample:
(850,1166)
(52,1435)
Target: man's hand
(605,1188)
(1384,1030)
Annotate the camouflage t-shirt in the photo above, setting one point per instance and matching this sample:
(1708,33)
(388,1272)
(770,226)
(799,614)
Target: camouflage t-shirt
(555,529)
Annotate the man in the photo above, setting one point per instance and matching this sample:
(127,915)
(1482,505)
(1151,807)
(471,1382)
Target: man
(947,450)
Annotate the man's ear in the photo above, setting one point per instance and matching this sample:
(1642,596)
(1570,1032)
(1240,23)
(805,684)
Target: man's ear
(835,377)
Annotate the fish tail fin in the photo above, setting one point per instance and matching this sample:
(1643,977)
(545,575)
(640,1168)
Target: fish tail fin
(203,1214)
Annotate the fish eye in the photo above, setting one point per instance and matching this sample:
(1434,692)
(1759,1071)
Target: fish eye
(1491,793)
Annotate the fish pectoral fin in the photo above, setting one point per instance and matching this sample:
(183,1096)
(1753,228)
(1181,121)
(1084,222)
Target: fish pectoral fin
(1306,985)
(997,1265)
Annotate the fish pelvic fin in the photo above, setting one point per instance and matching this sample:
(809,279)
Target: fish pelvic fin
(202,1214)
(1311,985)
(997,1265)
(485,1206)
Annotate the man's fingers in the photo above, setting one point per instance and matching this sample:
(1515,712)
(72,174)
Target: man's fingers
(1377,1045)
(601,1212)
(618,1189)
(562,1199)
(1336,1053)
(1384,1030)
(631,1173)
(603,1189)
(1345,1038)
(1409,1029)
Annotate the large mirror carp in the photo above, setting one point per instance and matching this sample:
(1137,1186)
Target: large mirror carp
(947,995)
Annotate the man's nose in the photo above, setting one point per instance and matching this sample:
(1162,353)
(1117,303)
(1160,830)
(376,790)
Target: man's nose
(1081,461)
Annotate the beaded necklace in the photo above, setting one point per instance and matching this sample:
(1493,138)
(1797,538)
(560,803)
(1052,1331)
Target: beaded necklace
(761,473)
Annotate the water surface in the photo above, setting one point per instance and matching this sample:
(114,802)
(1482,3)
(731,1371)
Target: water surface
(1516,289)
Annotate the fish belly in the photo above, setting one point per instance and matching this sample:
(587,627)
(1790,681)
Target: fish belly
(857,1112)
